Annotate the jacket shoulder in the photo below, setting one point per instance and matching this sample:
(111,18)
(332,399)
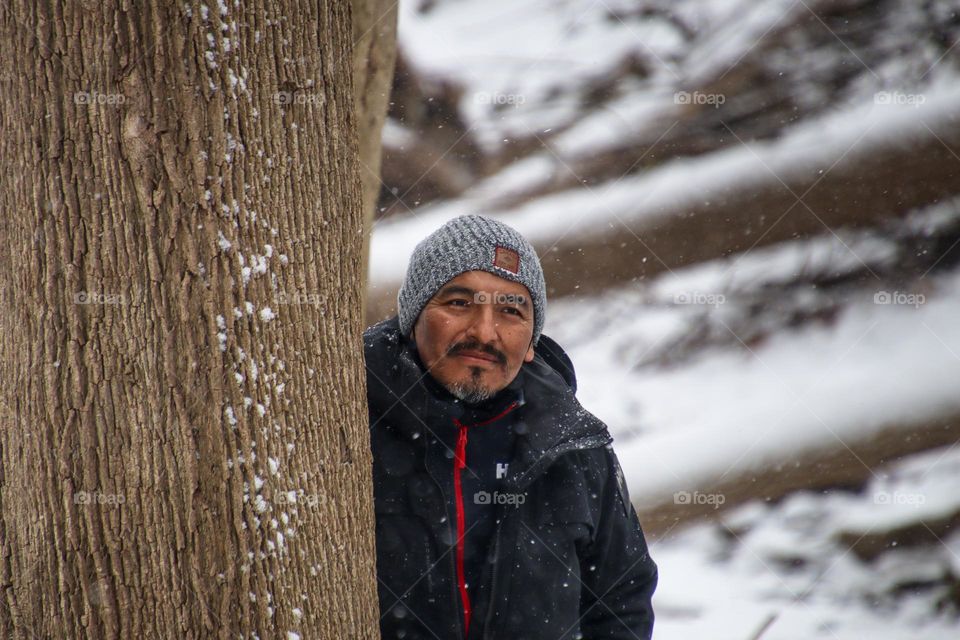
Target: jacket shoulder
(384,331)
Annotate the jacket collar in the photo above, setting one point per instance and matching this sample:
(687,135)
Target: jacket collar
(403,396)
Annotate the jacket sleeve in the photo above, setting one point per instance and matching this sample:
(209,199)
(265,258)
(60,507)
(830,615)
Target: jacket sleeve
(617,572)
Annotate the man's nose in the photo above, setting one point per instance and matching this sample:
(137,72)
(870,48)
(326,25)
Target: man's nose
(483,327)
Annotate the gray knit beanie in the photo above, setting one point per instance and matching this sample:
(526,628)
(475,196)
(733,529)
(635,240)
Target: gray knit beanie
(470,243)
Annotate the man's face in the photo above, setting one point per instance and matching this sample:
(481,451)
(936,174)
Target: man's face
(475,333)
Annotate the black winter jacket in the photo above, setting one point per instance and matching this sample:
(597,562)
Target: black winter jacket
(570,561)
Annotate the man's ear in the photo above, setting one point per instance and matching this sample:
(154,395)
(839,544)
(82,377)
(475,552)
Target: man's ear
(529,356)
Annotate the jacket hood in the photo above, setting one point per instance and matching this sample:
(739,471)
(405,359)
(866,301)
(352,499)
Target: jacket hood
(551,421)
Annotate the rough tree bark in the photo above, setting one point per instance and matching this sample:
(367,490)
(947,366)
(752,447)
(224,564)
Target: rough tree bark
(183,445)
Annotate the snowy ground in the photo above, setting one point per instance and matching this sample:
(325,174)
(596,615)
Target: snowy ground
(725,580)
(524,64)
(810,148)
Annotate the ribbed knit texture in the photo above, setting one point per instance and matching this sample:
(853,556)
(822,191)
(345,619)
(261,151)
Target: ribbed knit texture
(469,243)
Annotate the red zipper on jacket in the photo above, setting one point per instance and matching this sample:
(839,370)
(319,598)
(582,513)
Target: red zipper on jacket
(459,463)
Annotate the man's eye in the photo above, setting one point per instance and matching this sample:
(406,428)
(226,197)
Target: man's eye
(514,311)
(458,302)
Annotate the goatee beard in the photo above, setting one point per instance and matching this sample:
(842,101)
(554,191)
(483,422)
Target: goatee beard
(472,391)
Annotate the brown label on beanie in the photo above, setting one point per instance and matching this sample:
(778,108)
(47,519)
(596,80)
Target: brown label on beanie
(507,259)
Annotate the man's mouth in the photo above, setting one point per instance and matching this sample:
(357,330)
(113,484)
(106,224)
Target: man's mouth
(477,356)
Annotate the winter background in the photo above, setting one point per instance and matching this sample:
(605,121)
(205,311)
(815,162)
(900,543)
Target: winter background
(749,217)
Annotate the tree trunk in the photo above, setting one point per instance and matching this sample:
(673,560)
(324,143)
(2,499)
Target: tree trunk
(183,443)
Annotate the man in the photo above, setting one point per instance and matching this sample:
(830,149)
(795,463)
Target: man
(501,510)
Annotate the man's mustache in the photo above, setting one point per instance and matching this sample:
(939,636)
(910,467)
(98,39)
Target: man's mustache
(476,346)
